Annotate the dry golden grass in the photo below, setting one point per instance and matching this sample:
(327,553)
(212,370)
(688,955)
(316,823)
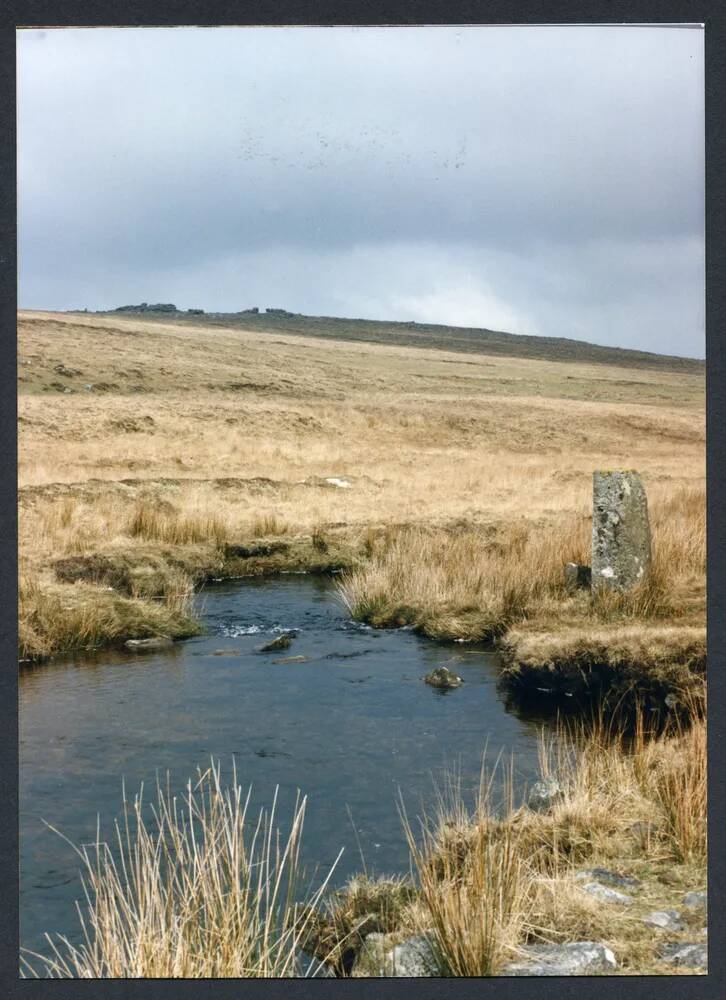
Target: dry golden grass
(469,485)
(54,618)
(200,890)
(496,877)
(196,436)
(476,906)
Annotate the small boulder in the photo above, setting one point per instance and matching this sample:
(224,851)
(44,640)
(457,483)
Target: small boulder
(371,957)
(697,902)
(692,956)
(665,920)
(415,957)
(155,642)
(606,894)
(283,641)
(577,576)
(307,967)
(575,958)
(608,878)
(442,677)
(544,794)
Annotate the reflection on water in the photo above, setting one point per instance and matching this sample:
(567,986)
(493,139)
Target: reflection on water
(349,726)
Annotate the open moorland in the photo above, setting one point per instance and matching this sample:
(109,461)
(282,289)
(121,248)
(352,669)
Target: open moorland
(448,487)
(452,486)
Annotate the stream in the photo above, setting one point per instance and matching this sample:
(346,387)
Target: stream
(351,726)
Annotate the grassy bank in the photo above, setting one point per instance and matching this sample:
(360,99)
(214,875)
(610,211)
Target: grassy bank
(487,880)
(474,584)
(156,455)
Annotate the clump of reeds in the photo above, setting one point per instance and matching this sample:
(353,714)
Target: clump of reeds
(201,889)
(264,525)
(472,871)
(155,522)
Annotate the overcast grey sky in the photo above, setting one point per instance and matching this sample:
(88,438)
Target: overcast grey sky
(544,180)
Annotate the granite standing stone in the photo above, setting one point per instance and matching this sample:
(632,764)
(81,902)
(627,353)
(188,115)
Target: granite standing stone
(620,530)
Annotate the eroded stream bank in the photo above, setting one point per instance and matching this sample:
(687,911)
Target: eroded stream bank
(342,715)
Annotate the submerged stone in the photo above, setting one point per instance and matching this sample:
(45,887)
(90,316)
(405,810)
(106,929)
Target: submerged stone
(442,677)
(620,531)
(155,642)
(576,958)
(283,641)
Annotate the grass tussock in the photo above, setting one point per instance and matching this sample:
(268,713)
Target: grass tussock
(268,525)
(54,617)
(201,889)
(471,584)
(365,905)
(462,584)
(153,522)
(472,873)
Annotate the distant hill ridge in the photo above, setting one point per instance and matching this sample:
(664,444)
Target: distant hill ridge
(466,340)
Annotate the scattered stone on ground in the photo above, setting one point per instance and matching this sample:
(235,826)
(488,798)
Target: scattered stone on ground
(667,920)
(609,878)
(442,677)
(643,830)
(61,369)
(283,641)
(311,968)
(696,901)
(155,642)
(606,894)
(576,958)
(577,576)
(691,955)
(544,794)
(225,652)
(415,957)
(620,530)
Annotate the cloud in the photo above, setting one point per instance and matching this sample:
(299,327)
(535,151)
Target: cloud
(550,179)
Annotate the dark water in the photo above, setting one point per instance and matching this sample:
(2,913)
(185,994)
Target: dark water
(350,727)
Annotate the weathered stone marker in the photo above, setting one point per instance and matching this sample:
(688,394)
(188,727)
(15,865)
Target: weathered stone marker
(620,530)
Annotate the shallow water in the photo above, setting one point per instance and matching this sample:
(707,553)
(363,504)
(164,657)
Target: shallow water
(350,727)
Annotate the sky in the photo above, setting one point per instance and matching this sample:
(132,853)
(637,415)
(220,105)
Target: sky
(538,180)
